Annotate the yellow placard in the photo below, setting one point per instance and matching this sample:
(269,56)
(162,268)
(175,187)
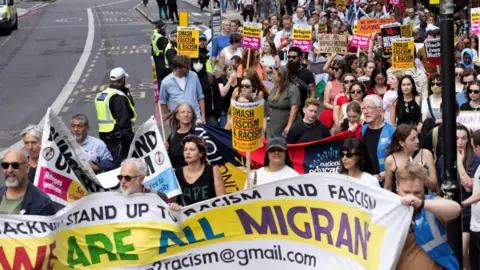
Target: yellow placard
(183,18)
(475,15)
(434,2)
(406,30)
(355,27)
(322,27)
(187,41)
(403,54)
(247,125)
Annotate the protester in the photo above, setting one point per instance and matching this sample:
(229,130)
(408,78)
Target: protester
(99,158)
(182,86)
(407,106)
(236,26)
(32,141)
(332,89)
(253,85)
(254,64)
(269,58)
(276,166)
(199,181)
(376,133)
(467,163)
(355,94)
(283,101)
(19,195)
(227,83)
(202,49)
(234,49)
(299,16)
(473,91)
(342,99)
(459,68)
(241,98)
(392,94)
(431,105)
(182,121)
(308,129)
(283,39)
(467,77)
(430,215)
(367,69)
(211,92)
(269,35)
(378,82)
(467,57)
(355,162)
(420,78)
(221,41)
(404,148)
(301,77)
(116,115)
(353,120)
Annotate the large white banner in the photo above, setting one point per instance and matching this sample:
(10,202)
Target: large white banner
(313,221)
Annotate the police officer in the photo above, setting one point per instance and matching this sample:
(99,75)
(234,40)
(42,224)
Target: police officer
(160,42)
(171,51)
(116,116)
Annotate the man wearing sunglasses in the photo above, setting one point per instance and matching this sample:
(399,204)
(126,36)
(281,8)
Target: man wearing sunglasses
(131,178)
(18,195)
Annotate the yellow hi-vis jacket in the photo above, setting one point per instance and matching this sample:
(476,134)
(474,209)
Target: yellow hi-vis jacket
(106,122)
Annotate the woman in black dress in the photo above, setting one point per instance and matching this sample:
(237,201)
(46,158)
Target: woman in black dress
(407,105)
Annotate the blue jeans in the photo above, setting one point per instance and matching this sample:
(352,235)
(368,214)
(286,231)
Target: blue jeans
(223,4)
(223,120)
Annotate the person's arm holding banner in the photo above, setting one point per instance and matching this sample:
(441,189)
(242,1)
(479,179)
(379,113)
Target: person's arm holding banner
(444,210)
(218,182)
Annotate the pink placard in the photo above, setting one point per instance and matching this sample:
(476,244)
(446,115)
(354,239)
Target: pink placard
(361,41)
(251,42)
(476,28)
(305,45)
(394,2)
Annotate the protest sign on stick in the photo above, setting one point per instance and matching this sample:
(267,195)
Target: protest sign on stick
(252,36)
(302,37)
(389,32)
(403,54)
(432,49)
(187,41)
(332,43)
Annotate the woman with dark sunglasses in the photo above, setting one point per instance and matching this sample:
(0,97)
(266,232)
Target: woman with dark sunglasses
(473,91)
(356,93)
(198,180)
(347,80)
(253,64)
(431,105)
(355,162)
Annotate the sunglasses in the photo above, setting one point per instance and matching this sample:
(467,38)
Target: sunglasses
(245,86)
(458,74)
(196,61)
(467,82)
(336,69)
(356,92)
(470,92)
(292,57)
(15,165)
(437,84)
(127,178)
(348,155)
(275,149)
(349,81)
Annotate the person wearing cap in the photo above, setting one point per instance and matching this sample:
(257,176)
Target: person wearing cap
(116,115)
(202,49)
(277,165)
(170,51)
(160,42)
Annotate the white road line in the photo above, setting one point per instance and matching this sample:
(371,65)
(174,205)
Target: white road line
(5,41)
(196,14)
(70,101)
(113,3)
(33,7)
(39,6)
(72,81)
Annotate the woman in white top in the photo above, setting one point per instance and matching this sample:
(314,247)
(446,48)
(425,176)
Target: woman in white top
(277,165)
(269,58)
(356,163)
(225,57)
(391,95)
(431,105)
(270,33)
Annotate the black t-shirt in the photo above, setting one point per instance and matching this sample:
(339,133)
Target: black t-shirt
(227,98)
(370,139)
(307,77)
(202,189)
(175,148)
(300,132)
(467,107)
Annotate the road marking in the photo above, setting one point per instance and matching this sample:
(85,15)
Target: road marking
(65,109)
(70,101)
(113,3)
(75,93)
(72,81)
(5,41)
(84,80)
(34,6)
(39,6)
(196,14)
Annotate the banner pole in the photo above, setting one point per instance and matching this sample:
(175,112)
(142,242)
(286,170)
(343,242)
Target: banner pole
(248,59)
(249,168)
(161,120)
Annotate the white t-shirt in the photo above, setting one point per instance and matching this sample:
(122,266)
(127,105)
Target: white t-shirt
(369,179)
(435,108)
(181,82)
(264,177)
(388,99)
(475,219)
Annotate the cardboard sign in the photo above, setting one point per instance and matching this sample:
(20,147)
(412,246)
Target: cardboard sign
(187,41)
(390,32)
(360,41)
(332,43)
(247,125)
(372,25)
(406,30)
(475,21)
(470,119)
(403,54)
(252,36)
(432,48)
(302,37)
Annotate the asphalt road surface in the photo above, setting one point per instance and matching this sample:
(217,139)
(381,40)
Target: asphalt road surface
(62,54)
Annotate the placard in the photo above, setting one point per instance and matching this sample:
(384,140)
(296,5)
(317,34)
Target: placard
(372,25)
(403,54)
(322,27)
(470,119)
(394,2)
(187,41)
(302,37)
(252,36)
(361,41)
(332,43)
(475,21)
(406,30)
(247,125)
(390,32)
(432,48)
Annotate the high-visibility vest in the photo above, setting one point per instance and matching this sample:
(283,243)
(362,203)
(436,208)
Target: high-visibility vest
(155,37)
(431,236)
(169,46)
(106,122)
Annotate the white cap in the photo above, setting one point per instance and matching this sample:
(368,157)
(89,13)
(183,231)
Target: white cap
(117,74)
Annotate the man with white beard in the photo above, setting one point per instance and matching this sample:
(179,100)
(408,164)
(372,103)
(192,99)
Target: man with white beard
(20,196)
(132,174)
